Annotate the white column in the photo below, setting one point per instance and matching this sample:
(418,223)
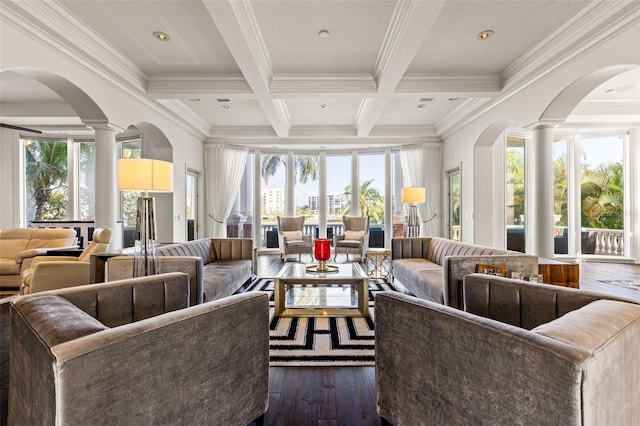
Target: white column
(106,190)
(355,185)
(322,196)
(290,206)
(539,221)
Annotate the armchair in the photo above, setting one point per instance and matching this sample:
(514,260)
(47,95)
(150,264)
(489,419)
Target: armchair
(355,239)
(520,353)
(53,272)
(291,237)
(133,352)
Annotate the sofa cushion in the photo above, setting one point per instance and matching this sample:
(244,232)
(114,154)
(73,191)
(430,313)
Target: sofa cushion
(223,277)
(439,248)
(591,326)
(56,320)
(353,235)
(421,277)
(292,235)
(9,267)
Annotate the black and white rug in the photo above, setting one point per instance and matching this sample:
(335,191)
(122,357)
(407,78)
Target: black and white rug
(327,341)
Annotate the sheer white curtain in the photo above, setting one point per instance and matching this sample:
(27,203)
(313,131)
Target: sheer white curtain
(422,166)
(223,169)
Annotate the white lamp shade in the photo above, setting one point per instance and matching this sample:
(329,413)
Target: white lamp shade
(145,175)
(413,194)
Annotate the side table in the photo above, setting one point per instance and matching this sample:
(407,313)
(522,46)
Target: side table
(378,262)
(560,273)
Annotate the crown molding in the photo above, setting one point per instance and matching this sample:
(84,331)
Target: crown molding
(185,85)
(81,45)
(321,83)
(592,26)
(389,131)
(240,132)
(399,19)
(181,109)
(471,84)
(458,115)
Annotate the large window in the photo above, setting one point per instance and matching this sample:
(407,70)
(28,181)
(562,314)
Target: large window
(46,179)
(602,195)
(87,180)
(129,148)
(514,190)
(371,189)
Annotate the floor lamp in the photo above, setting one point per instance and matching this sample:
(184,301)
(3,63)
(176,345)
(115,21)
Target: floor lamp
(145,175)
(413,195)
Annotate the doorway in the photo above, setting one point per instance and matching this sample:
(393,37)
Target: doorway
(454,197)
(192,197)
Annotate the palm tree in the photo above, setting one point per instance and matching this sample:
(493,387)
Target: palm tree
(305,167)
(46,171)
(370,201)
(602,197)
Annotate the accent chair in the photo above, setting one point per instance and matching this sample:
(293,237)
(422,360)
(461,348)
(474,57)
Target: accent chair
(134,352)
(355,239)
(53,272)
(291,237)
(519,353)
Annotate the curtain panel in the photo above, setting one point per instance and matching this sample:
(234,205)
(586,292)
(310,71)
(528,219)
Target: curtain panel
(223,170)
(422,167)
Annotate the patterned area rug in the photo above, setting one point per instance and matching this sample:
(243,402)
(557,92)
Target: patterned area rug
(635,285)
(321,341)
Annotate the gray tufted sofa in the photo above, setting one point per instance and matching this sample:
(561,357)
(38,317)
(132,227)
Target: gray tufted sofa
(217,267)
(433,268)
(133,352)
(521,354)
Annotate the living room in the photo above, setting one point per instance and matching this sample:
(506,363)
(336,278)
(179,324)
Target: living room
(378,95)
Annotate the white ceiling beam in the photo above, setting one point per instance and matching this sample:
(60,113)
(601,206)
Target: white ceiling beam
(409,26)
(239,28)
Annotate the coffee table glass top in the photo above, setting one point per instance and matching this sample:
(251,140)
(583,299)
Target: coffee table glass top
(340,293)
(299,270)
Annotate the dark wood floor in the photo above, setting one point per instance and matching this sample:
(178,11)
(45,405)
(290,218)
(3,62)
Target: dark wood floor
(332,395)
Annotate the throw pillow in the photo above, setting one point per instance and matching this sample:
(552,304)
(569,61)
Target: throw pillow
(353,235)
(292,235)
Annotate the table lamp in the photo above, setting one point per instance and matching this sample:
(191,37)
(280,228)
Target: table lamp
(412,195)
(145,175)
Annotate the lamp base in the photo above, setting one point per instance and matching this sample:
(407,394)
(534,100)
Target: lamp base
(146,259)
(413,222)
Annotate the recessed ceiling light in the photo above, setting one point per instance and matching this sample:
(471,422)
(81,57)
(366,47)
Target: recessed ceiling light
(161,36)
(226,106)
(195,100)
(324,106)
(484,35)
(323,33)
(420,105)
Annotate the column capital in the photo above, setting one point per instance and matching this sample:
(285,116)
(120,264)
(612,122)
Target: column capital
(103,125)
(546,124)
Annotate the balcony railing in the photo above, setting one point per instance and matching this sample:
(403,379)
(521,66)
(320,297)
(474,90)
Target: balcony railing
(596,241)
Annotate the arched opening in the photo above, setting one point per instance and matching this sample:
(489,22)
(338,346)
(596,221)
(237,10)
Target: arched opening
(488,184)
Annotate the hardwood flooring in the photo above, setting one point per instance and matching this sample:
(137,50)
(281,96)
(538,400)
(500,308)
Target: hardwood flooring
(333,396)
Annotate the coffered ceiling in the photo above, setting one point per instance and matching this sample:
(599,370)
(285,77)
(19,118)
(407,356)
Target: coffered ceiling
(292,73)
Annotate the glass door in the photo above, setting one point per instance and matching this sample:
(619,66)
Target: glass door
(455,231)
(192,195)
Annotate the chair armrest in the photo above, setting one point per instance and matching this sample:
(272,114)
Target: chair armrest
(455,268)
(337,237)
(27,254)
(307,238)
(454,363)
(165,361)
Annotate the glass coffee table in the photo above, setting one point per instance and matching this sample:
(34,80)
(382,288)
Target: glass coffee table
(344,293)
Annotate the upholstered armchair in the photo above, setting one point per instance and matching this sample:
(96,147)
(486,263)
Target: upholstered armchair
(134,352)
(355,239)
(53,272)
(291,237)
(519,353)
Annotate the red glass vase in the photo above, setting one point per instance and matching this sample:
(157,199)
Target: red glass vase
(322,252)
